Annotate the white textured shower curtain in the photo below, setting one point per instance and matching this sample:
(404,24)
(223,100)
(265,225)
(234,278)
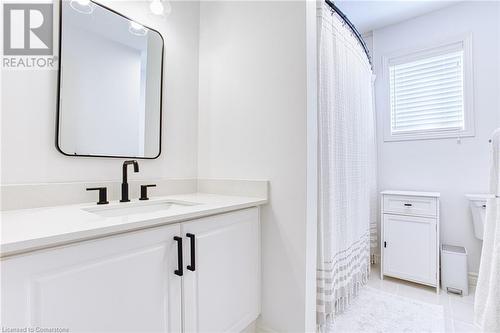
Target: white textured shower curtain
(347,179)
(487,300)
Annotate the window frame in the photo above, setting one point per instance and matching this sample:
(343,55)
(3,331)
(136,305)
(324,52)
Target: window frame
(424,52)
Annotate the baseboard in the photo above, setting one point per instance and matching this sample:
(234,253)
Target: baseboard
(251,328)
(261,328)
(472,279)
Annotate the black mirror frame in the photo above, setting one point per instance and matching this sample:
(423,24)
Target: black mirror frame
(58,106)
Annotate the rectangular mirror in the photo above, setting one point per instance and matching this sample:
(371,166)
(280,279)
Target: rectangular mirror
(110,84)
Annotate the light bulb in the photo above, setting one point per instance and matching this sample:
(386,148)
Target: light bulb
(156,7)
(83,2)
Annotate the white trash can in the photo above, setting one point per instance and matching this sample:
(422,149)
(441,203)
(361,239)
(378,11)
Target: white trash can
(454,276)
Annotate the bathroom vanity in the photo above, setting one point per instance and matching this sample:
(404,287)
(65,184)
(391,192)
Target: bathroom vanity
(410,236)
(191,267)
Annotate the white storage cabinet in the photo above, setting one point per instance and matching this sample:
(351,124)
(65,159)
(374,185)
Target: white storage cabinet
(410,236)
(140,282)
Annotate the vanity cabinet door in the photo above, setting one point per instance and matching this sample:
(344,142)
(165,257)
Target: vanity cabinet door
(221,293)
(410,248)
(122,283)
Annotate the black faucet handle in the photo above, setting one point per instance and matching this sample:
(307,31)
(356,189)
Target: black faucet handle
(103,194)
(144,191)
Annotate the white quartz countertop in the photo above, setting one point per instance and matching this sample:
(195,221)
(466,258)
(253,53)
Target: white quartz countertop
(31,229)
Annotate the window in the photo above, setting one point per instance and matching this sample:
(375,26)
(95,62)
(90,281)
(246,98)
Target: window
(430,93)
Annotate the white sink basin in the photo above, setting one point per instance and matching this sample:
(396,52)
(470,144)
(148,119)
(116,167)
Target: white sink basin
(133,208)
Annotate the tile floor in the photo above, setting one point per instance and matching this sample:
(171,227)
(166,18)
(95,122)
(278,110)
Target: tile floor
(459,311)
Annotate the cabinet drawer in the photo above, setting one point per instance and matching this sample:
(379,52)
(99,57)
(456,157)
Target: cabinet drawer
(410,205)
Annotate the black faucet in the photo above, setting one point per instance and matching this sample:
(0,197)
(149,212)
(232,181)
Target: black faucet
(124,179)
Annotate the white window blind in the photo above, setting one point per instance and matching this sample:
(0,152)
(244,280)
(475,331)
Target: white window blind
(427,94)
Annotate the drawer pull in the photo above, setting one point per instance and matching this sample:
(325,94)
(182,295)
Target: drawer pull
(408,204)
(179,270)
(192,267)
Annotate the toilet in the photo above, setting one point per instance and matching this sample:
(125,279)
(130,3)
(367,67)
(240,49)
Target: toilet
(478,208)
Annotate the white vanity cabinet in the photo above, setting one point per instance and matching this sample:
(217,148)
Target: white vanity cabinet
(222,291)
(131,282)
(410,236)
(119,283)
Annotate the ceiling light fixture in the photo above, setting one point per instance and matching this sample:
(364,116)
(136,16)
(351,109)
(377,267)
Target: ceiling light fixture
(156,7)
(160,7)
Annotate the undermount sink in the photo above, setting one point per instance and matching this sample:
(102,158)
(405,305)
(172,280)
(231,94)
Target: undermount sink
(133,208)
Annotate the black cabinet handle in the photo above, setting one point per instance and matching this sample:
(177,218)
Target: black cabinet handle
(385,244)
(103,194)
(408,204)
(192,267)
(179,270)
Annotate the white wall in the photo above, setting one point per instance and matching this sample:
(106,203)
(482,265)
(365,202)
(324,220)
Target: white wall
(444,165)
(29,106)
(252,115)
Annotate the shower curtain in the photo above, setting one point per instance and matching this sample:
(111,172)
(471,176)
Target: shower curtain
(487,301)
(347,192)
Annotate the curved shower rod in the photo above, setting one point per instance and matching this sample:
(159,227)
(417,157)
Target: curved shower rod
(353,29)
